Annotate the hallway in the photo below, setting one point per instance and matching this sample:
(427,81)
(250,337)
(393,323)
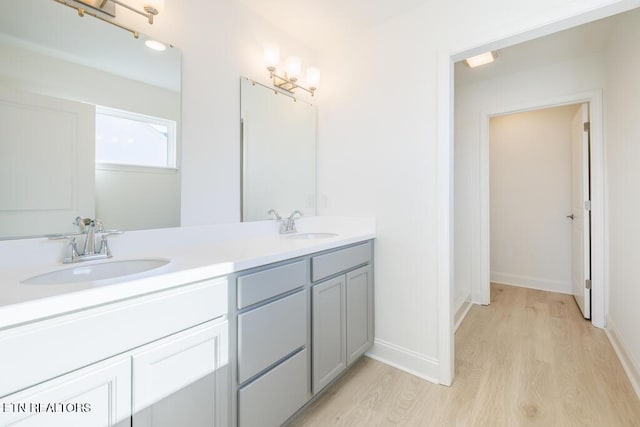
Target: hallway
(527,359)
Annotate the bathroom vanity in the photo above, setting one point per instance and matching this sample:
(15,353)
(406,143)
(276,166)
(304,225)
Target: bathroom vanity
(300,324)
(242,327)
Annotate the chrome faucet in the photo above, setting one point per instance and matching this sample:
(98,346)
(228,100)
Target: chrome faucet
(288,225)
(89,228)
(275,214)
(291,221)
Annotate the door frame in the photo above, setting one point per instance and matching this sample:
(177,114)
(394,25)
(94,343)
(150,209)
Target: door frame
(594,99)
(446,58)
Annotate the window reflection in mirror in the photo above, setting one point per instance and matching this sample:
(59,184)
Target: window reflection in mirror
(59,75)
(127,138)
(278,153)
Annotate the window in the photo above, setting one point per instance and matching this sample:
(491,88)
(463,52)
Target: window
(125,138)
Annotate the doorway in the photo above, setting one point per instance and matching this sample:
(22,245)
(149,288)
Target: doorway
(592,160)
(539,195)
(515,96)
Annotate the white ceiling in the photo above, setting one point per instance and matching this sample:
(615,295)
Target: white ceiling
(575,42)
(320,23)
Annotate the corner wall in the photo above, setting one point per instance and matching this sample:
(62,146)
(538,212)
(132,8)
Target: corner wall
(622,109)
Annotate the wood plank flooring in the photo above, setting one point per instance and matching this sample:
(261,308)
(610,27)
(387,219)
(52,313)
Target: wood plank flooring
(528,359)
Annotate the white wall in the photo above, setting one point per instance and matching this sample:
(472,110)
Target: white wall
(573,75)
(377,156)
(378,149)
(622,109)
(530,158)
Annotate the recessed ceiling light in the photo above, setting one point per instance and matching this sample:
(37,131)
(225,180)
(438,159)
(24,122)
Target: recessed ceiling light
(155,45)
(482,59)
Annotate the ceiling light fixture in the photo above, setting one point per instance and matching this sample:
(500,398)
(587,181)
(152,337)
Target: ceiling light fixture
(293,69)
(105,10)
(482,59)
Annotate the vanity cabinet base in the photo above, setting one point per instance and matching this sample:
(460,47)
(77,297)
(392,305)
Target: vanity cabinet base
(296,327)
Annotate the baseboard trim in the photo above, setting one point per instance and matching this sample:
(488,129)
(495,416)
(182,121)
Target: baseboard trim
(406,360)
(461,313)
(537,283)
(628,363)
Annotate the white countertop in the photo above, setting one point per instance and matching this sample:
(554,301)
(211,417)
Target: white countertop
(195,254)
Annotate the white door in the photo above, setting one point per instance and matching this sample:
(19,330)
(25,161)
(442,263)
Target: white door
(580,213)
(47,163)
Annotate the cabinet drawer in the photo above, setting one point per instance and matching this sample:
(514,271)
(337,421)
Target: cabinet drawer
(271,332)
(334,262)
(273,398)
(265,284)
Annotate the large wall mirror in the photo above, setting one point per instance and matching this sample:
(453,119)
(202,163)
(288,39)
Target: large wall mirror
(89,123)
(278,153)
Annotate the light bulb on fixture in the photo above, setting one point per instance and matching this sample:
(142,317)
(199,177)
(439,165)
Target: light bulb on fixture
(271,57)
(313,77)
(293,68)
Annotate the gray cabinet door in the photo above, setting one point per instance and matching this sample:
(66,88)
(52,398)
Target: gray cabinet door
(329,331)
(359,291)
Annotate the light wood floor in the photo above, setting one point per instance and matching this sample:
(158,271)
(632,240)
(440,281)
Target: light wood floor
(528,359)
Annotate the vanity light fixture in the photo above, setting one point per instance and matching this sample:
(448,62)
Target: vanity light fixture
(105,10)
(146,8)
(293,70)
(482,59)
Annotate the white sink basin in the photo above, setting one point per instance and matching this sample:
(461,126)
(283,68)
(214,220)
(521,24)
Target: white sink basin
(311,236)
(94,272)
